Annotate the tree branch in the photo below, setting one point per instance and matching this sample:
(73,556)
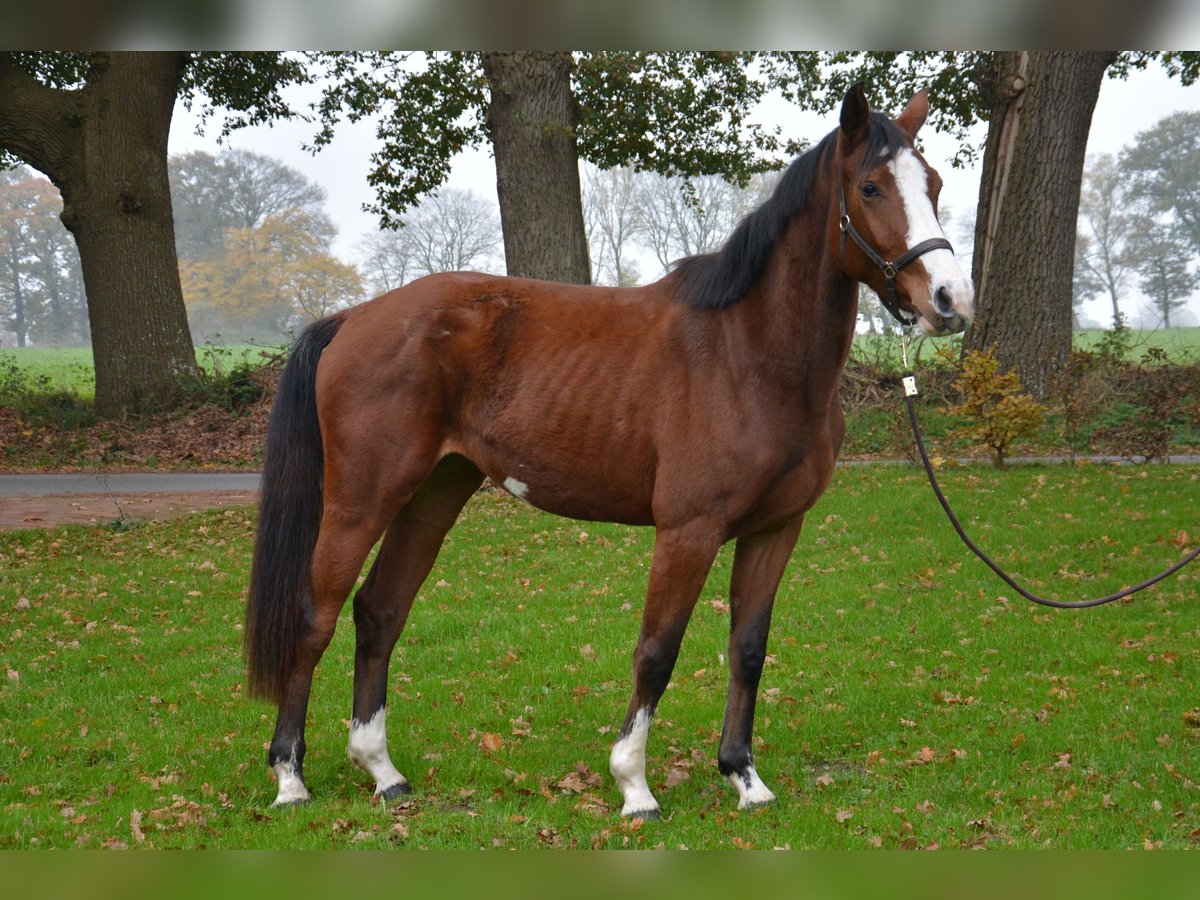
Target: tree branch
(36,121)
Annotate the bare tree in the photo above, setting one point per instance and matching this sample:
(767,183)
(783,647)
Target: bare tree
(453,230)
(450,231)
(685,216)
(1106,225)
(386,260)
(612,217)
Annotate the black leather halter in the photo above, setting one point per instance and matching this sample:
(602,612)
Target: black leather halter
(889,269)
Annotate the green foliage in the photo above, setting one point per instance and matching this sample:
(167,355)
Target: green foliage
(959,85)
(908,700)
(682,113)
(246,84)
(668,112)
(234,384)
(431,106)
(999,413)
(1113,345)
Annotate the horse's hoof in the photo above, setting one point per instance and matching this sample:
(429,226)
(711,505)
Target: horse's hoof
(395,792)
(289,803)
(647,815)
(756,805)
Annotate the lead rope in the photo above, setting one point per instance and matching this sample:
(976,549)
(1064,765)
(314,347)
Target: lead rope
(910,391)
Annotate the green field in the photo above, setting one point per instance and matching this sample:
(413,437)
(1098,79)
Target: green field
(1180,344)
(909,700)
(70,368)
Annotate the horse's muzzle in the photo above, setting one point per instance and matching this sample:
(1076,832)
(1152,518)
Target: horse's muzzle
(942,326)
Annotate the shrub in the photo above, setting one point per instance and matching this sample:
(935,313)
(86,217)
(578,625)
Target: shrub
(1160,400)
(998,412)
(37,401)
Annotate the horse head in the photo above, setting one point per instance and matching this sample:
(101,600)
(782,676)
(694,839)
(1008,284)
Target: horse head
(888,207)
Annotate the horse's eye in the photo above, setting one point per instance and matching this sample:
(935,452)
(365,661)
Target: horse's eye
(870,190)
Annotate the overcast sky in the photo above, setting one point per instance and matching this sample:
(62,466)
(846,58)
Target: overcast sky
(1124,108)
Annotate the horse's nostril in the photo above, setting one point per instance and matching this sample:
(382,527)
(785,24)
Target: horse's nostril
(943,302)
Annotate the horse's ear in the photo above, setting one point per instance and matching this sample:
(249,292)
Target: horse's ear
(856,114)
(914,115)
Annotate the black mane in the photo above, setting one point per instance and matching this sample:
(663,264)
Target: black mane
(720,279)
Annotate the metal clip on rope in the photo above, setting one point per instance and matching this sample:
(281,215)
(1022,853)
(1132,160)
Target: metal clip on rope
(910,391)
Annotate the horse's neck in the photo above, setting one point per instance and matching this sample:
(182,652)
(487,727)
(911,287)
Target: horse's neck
(808,310)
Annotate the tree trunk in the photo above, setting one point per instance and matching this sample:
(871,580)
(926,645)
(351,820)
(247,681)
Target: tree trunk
(532,120)
(1028,204)
(105,147)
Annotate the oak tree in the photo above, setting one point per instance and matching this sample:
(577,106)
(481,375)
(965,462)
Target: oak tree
(96,124)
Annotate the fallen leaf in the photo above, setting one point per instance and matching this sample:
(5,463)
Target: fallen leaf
(490,742)
(677,775)
(572,783)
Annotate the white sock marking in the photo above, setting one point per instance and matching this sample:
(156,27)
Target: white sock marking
(627,762)
(751,790)
(518,489)
(291,787)
(368,750)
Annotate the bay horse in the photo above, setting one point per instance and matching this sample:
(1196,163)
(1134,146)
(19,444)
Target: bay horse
(705,404)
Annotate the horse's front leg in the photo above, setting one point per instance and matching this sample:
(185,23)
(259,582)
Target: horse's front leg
(682,558)
(758,564)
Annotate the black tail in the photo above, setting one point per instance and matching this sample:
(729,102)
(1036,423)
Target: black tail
(289,518)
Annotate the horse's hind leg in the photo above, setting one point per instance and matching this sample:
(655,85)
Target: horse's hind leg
(381,608)
(343,543)
(682,558)
(758,565)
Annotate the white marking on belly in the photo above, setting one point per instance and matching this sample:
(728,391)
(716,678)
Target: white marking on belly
(368,749)
(518,489)
(291,786)
(751,790)
(627,762)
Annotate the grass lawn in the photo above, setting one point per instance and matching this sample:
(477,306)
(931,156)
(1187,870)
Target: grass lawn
(70,368)
(908,700)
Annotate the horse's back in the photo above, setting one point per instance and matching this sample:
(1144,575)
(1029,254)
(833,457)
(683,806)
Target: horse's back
(551,389)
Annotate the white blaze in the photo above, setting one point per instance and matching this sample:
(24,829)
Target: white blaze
(942,266)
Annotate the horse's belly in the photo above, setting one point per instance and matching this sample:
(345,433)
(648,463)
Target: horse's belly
(577,481)
(576,495)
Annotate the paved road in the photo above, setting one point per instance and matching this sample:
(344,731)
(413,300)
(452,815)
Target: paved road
(181,482)
(131,483)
